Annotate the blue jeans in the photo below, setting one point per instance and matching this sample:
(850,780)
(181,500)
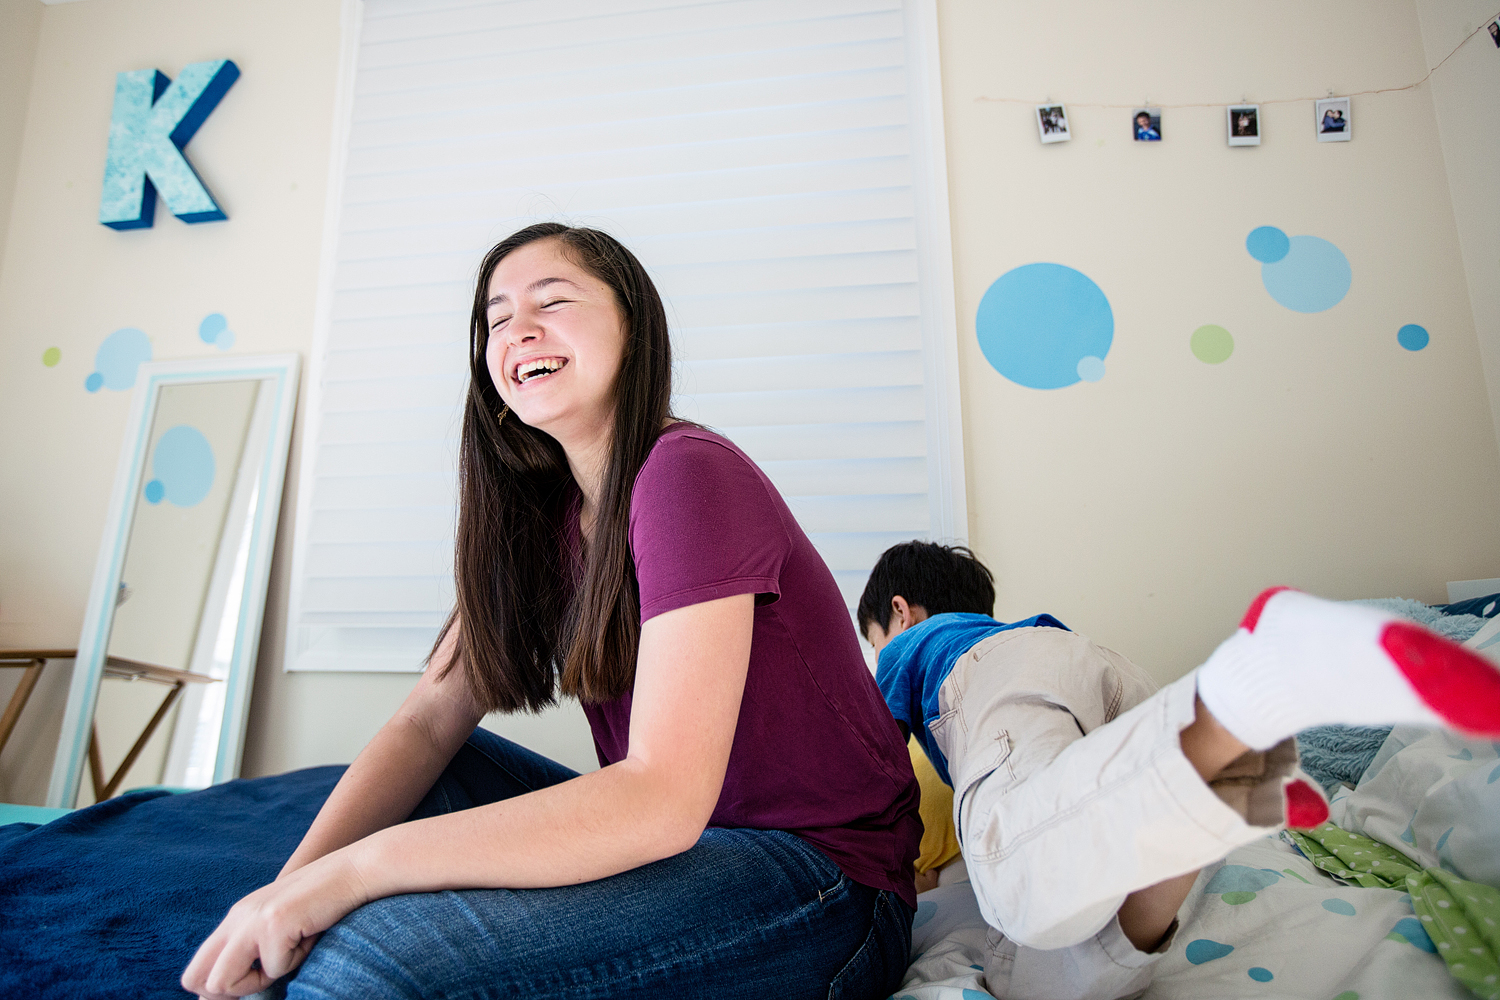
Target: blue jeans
(744,913)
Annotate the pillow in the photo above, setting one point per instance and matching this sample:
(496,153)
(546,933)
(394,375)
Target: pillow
(1434,795)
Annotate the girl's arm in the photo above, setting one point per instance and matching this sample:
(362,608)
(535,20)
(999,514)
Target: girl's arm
(404,760)
(690,677)
(392,774)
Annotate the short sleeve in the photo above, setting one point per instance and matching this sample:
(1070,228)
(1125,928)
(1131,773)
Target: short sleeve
(704,524)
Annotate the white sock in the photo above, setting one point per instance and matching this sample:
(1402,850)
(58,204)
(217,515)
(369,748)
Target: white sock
(1299,661)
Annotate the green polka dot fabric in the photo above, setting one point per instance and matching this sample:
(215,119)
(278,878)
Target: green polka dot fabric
(1461,917)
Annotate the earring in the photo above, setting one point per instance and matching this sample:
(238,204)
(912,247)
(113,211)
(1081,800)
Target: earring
(500,417)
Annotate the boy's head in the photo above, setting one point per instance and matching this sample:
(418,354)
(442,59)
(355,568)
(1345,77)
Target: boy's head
(915,580)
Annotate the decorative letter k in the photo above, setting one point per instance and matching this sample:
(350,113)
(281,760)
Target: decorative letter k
(154,117)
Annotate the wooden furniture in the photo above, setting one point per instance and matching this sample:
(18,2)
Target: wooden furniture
(32,661)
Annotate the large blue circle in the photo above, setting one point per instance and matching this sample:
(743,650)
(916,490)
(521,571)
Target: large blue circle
(184,465)
(1313,276)
(1037,322)
(1267,244)
(1412,337)
(119,356)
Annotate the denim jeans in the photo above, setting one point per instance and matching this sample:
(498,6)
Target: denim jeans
(744,913)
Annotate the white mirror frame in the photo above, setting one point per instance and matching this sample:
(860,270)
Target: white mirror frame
(88,669)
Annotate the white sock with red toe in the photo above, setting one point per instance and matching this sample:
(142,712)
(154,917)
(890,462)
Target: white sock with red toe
(1299,661)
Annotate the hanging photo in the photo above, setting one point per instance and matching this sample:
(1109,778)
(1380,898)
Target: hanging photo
(1146,124)
(1495,33)
(1052,123)
(1334,124)
(1244,124)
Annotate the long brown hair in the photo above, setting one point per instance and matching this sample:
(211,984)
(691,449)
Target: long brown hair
(525,629)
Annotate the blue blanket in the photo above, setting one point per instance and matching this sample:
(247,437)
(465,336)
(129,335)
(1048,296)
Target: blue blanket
(112,901)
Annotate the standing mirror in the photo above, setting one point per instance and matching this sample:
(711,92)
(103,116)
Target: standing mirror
(161,683)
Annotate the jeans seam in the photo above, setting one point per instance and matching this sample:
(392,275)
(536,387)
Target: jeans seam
(501,765)
(698,958)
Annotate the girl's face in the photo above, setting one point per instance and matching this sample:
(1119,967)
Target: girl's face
(556,342)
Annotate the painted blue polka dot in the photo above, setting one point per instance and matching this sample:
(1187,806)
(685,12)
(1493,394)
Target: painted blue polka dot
(1036,323)
(1091,369)
(1410,930)
(225,340)
(1267,244)
(117,359)
(155,491)
(213,324)
(1412,337)
(1260,975)
(1204,950)
(976,995)
(1312,277)
(1239,878)
(1340,906)
(184,465)
(926,910)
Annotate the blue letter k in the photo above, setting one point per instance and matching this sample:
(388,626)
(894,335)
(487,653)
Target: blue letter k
(153,119)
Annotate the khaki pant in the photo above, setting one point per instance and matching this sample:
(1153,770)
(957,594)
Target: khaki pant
(1057,829)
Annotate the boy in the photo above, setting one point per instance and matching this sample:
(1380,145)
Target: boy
(1084,803)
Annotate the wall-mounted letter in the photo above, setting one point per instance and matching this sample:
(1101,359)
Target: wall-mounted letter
(154,117)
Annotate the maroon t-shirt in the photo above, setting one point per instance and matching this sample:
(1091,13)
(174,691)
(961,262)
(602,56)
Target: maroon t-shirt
(816,752)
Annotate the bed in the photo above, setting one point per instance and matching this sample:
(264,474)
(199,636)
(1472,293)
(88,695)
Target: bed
(1266,923)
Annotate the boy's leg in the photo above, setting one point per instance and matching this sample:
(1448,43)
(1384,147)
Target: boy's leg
(1058,830)
(1126,806)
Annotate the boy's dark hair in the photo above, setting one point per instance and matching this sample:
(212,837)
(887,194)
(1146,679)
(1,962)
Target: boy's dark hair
(938,578)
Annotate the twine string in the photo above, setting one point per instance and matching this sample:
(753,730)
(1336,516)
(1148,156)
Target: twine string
(1280,100)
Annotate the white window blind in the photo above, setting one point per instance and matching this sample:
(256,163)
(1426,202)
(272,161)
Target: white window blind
(777,165)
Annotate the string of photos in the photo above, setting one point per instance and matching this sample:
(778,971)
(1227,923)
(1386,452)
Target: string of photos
(1333,118)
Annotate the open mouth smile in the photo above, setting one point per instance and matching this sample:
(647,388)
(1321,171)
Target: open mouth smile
(537,368)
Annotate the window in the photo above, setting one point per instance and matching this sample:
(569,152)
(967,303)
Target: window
(778,167)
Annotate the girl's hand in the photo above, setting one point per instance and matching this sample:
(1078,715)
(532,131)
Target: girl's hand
(269,932)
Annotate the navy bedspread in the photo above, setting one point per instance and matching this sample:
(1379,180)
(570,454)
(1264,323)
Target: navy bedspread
(112,901)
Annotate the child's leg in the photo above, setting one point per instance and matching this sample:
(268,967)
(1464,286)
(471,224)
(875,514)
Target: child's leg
(1058,829)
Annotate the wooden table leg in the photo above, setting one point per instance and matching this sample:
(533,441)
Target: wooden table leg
(96,763)
(18,700)
(145,737)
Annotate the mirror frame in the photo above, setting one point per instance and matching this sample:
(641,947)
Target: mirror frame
(281,370)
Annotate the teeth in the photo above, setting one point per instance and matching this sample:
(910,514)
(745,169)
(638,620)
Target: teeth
(545,366)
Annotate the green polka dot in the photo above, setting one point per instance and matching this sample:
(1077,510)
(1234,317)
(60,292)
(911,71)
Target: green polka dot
(1347,995)
(1236,898)
(51,356)
(1211,344)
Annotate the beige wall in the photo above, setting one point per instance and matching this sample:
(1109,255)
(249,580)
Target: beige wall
(1148,508)
(20,23)
(67,282)
(1145,509)
(1464,94)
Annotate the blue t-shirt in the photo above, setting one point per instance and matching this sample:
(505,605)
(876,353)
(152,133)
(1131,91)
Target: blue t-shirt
(915,664)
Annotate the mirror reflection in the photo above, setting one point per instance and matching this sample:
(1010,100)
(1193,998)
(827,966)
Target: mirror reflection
(158,717)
